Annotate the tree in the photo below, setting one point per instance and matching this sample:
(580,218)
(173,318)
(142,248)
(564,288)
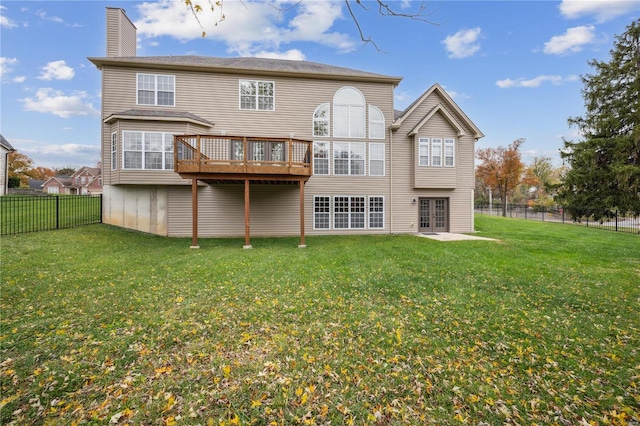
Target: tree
(21,166)
(604,168)
(539,180)
(65,171)
(501,170)
(420,13)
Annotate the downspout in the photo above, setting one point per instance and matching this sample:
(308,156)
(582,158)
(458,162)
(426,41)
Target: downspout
(391,180)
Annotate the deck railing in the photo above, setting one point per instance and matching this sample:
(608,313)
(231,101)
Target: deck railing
(241,155)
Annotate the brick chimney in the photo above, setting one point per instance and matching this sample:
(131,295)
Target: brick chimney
(121,33)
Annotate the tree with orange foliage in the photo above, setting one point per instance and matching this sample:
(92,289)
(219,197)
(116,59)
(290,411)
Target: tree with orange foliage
(21,166)
(501,170)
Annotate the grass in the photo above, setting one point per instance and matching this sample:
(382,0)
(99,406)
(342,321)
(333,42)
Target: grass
(104,325)
(28,213)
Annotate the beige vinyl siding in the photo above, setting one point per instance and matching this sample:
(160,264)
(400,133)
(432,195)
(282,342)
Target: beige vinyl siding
(409,181)
(121,34)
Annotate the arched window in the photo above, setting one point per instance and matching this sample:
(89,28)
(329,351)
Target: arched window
(348,113)
(376,123)
(321,120)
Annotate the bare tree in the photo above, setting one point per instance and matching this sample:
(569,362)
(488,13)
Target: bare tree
(385,9)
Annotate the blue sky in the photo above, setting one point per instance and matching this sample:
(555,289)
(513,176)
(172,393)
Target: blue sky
(512,66)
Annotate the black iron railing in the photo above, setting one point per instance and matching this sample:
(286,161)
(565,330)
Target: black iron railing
(27,213)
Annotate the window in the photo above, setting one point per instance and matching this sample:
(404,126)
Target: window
(348,212)
(376,123)
(114,151)
(321,121)
(83,180)
(321,158)
(147,150)
(449,152)
(376,159)
(257,95)
(53,190)
(436,152)
(423,148)
(348,158)
(376,212)
(321,212)
(348,113)
(156,89)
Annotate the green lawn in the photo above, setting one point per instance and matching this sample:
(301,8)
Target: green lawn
(102,325)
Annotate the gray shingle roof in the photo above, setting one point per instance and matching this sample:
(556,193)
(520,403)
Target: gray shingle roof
(160,114)
(246,65)
(5,143)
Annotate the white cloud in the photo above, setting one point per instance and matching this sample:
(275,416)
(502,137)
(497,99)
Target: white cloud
(249,27)
(55,102)
(602,10)
(6,65)
(570,42)
(556,80)
(4,21)
(53,155)
(57,70)
(462,44)
(19,79)
(42,14)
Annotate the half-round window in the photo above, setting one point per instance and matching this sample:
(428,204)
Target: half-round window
(348,113)
(321,120)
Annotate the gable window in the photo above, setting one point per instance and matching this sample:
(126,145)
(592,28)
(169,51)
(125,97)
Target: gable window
(147,150)
(376,212)
(348,158)
(156,89)
(257,95)
(449,152)
(321,158)
(423,151)
(321,121)
(348,212)
(376,159)
(321,212)
(376,123)
(348,113)
(114,150)
(436,152)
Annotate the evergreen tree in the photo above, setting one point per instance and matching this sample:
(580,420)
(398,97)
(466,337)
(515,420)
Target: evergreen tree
(604,168)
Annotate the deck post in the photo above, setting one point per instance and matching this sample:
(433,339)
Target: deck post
(302,244)
(194,216)
(247,215)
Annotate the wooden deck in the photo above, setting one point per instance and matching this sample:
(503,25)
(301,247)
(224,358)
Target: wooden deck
(234,159)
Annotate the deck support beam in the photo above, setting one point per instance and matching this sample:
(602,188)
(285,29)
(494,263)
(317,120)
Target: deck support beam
(247,215)
(302,244)
(194,215)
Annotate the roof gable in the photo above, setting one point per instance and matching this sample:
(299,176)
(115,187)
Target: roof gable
(5,144)
(446,101)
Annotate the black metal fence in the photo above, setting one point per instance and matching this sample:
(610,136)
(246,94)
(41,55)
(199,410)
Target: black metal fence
(27,213)
(617,221)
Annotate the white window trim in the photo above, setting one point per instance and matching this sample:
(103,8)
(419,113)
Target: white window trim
(384,208)
(378,159)
(257,95)
(449,142)
(114,151)
(364,160)
(426,142)
(328,159)
(433,156)
(317,120)
(371,121)
(350,197)
(350,133)
(155,89)
(315,197)
(164,151)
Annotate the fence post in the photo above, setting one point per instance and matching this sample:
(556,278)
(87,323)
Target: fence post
(100,203)
(57,212)
(616,220)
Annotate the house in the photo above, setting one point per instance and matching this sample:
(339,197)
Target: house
(5,149)
(85,181)
(223,147)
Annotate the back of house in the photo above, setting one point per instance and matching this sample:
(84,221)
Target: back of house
(365,170)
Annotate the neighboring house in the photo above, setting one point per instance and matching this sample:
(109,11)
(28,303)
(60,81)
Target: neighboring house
(263,144)
(5,149)
(59,184)
(36,184)
(85,181)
